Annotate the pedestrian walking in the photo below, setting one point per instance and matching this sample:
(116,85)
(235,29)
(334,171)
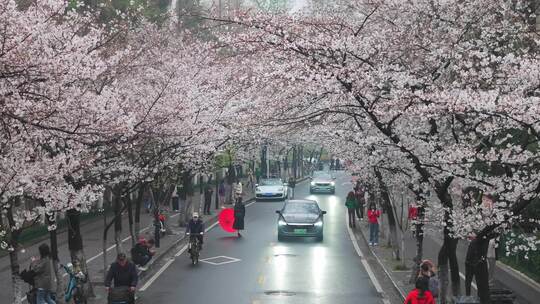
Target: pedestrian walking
(359,194)
(292,184)
(373,218)
(208,191)
(427,270)
(421,293)
(258,174)
(239,214)
(251,179)
(351,203)
(476,264)
(492,259)
(43,271)
(238,191)
(221,192)
(125,277)
(175,200)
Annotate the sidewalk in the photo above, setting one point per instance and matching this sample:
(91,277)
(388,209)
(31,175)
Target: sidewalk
(505,277)
(92,233)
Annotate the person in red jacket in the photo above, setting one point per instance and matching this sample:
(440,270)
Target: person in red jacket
(421,294)
(373,217)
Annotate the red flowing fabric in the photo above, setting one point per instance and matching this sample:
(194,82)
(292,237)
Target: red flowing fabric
(226,219)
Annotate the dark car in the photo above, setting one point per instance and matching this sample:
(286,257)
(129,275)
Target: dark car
(300,218)
(322,182)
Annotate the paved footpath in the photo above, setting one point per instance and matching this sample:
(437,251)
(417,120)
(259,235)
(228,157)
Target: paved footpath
(527,292)
(92,232)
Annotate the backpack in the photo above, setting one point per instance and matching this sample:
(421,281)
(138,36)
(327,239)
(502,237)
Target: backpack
(28,276)
(434,286)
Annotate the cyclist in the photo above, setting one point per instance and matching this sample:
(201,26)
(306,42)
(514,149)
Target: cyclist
(195,229)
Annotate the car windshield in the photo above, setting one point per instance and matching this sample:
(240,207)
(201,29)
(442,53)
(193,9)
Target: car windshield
(271,182)
(321,175)
(301,208)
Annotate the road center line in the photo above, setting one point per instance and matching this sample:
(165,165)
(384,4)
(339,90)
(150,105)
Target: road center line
(369,271)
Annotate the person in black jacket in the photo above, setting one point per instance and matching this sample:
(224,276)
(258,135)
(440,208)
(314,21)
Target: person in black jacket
(239,213)
(195,229)
(124,274)
(142,253)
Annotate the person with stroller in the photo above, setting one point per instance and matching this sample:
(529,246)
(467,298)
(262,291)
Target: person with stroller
(125,277)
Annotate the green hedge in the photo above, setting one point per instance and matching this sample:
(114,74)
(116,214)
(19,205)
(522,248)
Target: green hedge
(529,266)
(37,231)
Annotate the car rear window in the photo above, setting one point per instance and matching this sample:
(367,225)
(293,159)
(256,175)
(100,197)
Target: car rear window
(321,175)
(270,182)
(301,208)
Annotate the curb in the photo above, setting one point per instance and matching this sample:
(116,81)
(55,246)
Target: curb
(518,275)
(394,284)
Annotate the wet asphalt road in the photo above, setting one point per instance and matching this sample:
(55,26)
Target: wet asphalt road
(267,271)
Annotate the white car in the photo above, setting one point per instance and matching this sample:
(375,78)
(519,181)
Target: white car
(271,188)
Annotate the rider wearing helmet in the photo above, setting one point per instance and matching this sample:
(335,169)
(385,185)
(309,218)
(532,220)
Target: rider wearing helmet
(195,228)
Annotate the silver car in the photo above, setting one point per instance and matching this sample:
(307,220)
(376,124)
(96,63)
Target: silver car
(271,189)
(300,218)
(322,182)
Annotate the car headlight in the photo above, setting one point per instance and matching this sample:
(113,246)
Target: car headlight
(318,223)
(332,183)
(257,189)
(313,183)
(280,189)
(281,222)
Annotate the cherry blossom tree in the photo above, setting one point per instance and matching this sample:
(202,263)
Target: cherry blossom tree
(447,86)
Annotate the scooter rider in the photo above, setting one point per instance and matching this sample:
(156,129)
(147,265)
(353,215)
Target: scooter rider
(195,228)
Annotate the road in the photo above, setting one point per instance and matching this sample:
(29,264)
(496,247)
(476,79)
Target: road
(267,271)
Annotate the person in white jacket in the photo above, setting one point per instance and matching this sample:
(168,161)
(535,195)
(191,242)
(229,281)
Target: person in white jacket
(238,190)
(491,259)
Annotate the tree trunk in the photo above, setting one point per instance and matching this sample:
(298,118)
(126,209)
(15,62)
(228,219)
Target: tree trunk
(443,278)
(138,204)
(447,259)
(104,246)
(155,214)
(128,202)
(75,245)
(13,240)
(295,163)
(16,282)
(389,209)
(51,221)
(216,194)
(419,237)
(117,203)
(201,195)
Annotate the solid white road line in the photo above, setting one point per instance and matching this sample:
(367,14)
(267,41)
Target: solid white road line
(179,253)
(473,284)
(112,247)
(160,271)
(369,271)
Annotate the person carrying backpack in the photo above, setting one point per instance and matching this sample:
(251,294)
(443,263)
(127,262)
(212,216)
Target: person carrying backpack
(427,270)
(351,203)
(421,294)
